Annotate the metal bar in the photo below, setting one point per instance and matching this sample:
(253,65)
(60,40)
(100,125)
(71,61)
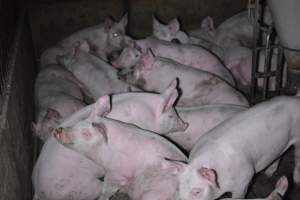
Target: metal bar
(267,63)
(265,74)
(254,55)
(279,71)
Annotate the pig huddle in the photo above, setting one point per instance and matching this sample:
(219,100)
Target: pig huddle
(149,107)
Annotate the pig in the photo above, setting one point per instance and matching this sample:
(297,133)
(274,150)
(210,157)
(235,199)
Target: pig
(206,31)
(81,179)
(240,147)
(58,94)
(129,155)
(198,87)
(201,119)
(171,32)
(280,189)
(235,31)
(97,75)
(189,55)
(103,39)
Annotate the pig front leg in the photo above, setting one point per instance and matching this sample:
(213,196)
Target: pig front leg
(241,187)
(296,175)
(272,168)
(108,190)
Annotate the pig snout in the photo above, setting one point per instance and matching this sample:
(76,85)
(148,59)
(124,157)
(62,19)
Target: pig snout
(63,136)
(112,57)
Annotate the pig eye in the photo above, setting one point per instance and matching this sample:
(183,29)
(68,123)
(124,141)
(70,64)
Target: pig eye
(116,34)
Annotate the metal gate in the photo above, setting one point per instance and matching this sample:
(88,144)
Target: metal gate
(267,80)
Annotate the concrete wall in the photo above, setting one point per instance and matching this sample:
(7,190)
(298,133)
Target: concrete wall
(16,102)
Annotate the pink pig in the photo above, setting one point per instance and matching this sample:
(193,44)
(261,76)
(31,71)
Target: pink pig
(189,55)
(240,147)
(97,75)
(171,32)
(58,94)
(131,157)
(198,87)
(61,173)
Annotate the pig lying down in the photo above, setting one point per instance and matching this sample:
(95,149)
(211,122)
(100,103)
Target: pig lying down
(121,149)
(240,147)
(81,179)
(103,38)
(198,87)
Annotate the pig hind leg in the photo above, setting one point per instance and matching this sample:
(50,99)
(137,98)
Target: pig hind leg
(297,164)
(272,168)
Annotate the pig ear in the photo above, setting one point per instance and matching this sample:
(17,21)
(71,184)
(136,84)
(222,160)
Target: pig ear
(173,166)
(108,23)
(52,114)
(174,25)
(148,59)
(170,95)
(34,128)
(124,21)
(207,24)
(209,174)
(101,108)
(84,46)
(101,128)
(156,24)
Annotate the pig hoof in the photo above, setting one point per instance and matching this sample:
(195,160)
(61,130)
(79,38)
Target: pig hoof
(269,173)
(272,169)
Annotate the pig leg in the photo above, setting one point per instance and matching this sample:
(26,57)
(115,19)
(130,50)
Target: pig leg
(108,190)
(272,168)
(297,164)
(242,187)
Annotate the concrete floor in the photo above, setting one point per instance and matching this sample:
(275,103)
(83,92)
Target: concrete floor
(262,185)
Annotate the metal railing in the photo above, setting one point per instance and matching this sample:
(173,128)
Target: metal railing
(270,76)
